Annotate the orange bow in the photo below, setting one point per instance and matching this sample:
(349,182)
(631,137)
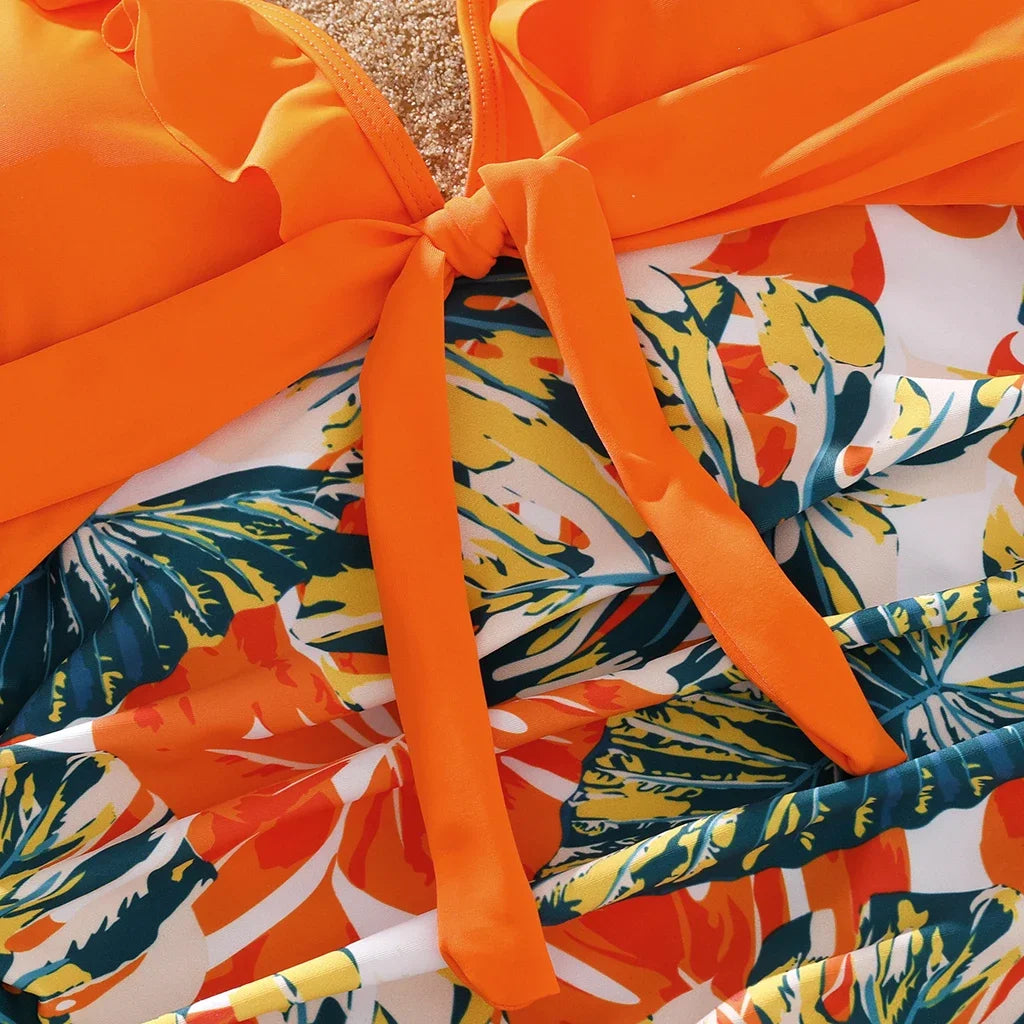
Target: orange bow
(549,210)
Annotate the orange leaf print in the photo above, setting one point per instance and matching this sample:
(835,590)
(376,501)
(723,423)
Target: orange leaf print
(315,926)
(1002,835)
(774,443)
(635,947)
(839,988)
(1003,362)
(961,221)
(756,388)
(856,459)
(844,880)
(719,941)
(836,246)
(384,850)
(1008,454)
(248,713)
(536,778)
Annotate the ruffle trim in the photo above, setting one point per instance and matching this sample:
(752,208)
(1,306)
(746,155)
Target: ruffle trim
(245,84)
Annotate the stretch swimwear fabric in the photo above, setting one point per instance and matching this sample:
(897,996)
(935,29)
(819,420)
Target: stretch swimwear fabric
(596,598)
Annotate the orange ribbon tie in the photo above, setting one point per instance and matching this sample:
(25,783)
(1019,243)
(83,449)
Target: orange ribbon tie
(488,927)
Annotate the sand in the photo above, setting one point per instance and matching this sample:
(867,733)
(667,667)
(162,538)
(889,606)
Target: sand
(411,49)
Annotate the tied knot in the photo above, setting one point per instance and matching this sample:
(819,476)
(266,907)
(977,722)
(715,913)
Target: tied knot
(469,231)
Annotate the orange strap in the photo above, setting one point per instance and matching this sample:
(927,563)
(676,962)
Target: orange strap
(488,927)
(94,409)
(761,620)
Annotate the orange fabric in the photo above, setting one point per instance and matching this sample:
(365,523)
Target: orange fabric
(863,135)
(896,119)
(534,91)
(89,233)
(155,404)
(551,211)
(190,169)
(488,927)
(233,107)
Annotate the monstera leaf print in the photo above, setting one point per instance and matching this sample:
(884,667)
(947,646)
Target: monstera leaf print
(476,313)
(119,603)
(547,530)
(920,959)
(843,551)
(836,549)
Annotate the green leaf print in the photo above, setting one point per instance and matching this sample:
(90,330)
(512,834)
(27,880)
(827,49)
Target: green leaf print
(716,744)
(119,603)
(52,855)
(920,959)
(786,830)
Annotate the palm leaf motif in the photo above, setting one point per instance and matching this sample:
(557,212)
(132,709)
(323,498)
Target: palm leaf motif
(840,549)
(630,628)
(1001,592)
(477,312)
(787,830)
(59,845)
(924,696)
(545,523)
(920,958)
(817,542)
(812,361)
(715,745)
(120,602)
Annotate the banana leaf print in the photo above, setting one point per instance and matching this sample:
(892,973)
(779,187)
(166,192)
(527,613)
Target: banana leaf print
(760,356)
(790,829)
(476,313)
(808,356)
(715,745)
(56,853)
(1001,592)
(920,959)
(843,552)
(539,501)
(120,602)
(923,696)
(364,1007)
(719,744)
(626,630)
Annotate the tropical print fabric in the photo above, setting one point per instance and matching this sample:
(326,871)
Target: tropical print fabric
(203,762)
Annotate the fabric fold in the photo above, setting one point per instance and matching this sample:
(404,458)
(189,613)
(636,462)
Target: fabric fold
(487,924)
(280,104)
(544,92)
(488,928)
(159,374)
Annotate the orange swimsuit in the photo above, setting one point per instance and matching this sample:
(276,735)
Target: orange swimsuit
(197,187)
